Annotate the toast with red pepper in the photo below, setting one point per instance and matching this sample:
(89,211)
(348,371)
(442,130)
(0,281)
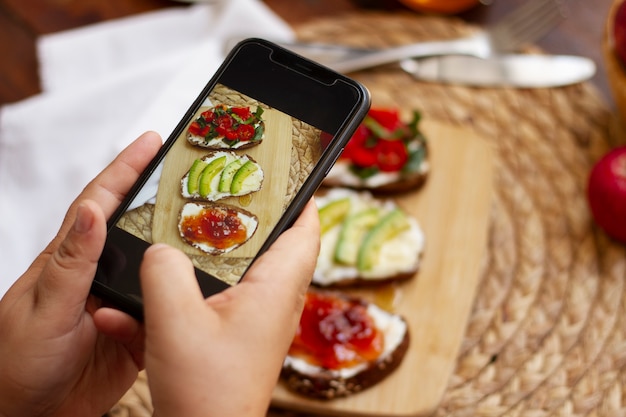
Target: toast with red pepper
(385,155)
(215,228)
(227,127)
(343,345)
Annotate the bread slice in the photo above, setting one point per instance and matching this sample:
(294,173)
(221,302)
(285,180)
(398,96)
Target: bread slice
(385,155)
(342,175)
(307,375)
(221,174)
(230,226)
(227,127)
(365,239)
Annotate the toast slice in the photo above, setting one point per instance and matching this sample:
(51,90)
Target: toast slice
(344,345)
(227,127)
(221,174)
(385,155)
(365,239)
(215,228)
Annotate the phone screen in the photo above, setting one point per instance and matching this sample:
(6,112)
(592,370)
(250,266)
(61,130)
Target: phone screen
(237,170)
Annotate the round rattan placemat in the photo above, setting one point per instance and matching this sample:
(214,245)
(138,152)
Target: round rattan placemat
(547,334)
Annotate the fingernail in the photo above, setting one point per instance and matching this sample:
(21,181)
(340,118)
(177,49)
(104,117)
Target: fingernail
(83,221)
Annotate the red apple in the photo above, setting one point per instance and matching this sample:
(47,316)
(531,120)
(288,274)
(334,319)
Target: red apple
(619,32)
(606,193)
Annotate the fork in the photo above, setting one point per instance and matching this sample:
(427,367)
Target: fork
(527,23)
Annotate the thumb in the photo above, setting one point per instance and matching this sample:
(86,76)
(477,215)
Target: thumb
(169,287)
(65,280)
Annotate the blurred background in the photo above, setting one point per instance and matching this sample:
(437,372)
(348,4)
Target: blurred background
(22,21)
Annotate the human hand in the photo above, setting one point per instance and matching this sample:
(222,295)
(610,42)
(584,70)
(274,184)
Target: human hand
(222,356)
(59,353)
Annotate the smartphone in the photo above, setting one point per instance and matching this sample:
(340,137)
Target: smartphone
(236,171)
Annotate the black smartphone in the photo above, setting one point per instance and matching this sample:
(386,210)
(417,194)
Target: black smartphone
(236,171)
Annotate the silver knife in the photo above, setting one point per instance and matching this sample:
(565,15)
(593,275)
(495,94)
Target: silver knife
(525,71)
(348,59)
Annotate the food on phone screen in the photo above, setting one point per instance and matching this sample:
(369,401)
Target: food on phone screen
(343,345)
(365,239)
(222,174)
(385,154)
(227,127)
(215,228)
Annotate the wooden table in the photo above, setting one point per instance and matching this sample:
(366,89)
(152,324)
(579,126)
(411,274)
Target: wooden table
(22,21)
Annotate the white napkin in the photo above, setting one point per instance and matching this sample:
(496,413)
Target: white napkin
(103,86)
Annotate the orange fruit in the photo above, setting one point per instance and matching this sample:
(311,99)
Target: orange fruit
(440,6)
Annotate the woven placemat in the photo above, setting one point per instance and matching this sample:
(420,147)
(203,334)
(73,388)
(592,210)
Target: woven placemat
(547,334)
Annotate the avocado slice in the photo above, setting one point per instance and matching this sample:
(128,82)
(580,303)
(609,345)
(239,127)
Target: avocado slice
(333,213)
(227,175)
(389,226)
(193,179)
(208,173)
(353,230)
(241,175)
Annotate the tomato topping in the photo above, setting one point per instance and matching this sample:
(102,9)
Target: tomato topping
(387,118)
(224,123)
(364,157)
(218,227)
(380,143)
(245,132)
(197,129)
(208,115)
(335,332)
(356,142)
(243,112)
(391,155)
(359,151)
(229,124)
(231,134)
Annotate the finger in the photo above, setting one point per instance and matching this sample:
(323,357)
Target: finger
(116,324)
(296,249)
(169,288)
(123,329)
(284,272)
(66,277)
(109,187)
(306,227)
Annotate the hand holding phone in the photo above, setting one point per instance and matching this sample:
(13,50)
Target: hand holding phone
(49,321)
(236,172)
(219,356)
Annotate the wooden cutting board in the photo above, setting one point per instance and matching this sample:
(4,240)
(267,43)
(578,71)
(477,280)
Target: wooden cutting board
(169,201)
(453,209)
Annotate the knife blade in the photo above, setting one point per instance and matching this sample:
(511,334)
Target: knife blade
(346,59)
(514,70)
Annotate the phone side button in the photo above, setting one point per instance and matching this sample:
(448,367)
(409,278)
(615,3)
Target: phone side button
(335,160)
